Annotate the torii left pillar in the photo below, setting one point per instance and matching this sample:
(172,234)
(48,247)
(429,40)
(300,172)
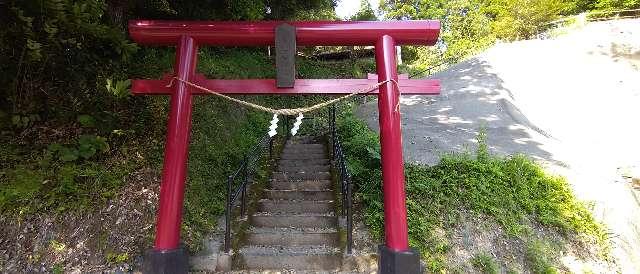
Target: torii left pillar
(395,255)
(167,256)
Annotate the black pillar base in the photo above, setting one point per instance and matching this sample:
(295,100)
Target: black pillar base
(398,262)
(173,261)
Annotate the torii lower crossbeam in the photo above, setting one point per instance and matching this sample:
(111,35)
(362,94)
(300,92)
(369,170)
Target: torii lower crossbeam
(395,254)
(268,86)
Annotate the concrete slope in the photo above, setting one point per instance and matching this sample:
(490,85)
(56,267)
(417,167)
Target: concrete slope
(572,103)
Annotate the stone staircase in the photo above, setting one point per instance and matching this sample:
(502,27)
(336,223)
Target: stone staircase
(294,226)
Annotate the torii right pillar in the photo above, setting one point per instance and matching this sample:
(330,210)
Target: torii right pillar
(395,255)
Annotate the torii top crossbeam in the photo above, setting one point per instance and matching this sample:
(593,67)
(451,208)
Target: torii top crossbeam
(262,33)
(395,255)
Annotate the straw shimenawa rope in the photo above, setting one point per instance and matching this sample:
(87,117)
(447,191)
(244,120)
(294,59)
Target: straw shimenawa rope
(285,111)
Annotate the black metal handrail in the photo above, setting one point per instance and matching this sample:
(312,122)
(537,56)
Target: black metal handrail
(346,187)
(244,174)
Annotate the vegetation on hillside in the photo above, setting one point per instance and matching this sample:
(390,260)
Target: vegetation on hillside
(470,26)
(72,136)
(513,192)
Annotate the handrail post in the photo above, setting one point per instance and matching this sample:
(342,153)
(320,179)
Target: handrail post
(270,149)
(349,217)
(227,222)
(243,210)
(343,178)
(333,130)
(286,128)
(244,187)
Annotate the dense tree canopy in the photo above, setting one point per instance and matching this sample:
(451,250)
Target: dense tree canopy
(365,13)
(57,55)
(471,25)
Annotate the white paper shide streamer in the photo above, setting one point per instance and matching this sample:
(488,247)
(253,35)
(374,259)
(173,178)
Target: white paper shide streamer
(274,126)
(296,125)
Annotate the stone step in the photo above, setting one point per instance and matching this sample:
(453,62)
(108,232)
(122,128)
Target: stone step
(315,220)
(304,146)
(302,162)
(304,149)
(308,168)
(301,185)
(304,140)
(313,195)
(291,237)
(295,206)
(278,258)
(301,176)
(297,156)
(306,185)
(313,148)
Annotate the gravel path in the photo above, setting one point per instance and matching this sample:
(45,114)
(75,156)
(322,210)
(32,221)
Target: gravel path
(572,103)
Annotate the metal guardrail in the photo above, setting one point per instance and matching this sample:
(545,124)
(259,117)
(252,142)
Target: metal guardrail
(339,163)
(244,174)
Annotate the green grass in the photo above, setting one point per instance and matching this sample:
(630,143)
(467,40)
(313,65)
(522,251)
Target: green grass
(513,191)
(36,184)
(539,257)
(221,135)
(485,263)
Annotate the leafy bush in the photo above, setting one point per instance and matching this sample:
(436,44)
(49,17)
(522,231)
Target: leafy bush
(55,52)
(616,4)
(86,147)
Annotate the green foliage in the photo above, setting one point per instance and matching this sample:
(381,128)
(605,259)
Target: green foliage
(470,26)
(236,10)
(54,52)
(25,186)
(86,147)
(539,257)
(65,177)
(485,263)
(466,29)
(212,160)
(57,269)
(86,121)
(617,4)
(365,13)
(116,258)
(25,121)
(61,57)
(66,65)
(523,19)
(119,89)
(514,191)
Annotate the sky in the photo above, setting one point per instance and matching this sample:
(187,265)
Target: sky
(347,8)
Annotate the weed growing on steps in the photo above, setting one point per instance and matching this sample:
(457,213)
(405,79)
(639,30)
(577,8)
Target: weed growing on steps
(514,191)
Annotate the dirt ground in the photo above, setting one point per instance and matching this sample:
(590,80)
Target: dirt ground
(84,242)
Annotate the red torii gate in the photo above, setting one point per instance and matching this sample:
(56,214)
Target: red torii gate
(395,255)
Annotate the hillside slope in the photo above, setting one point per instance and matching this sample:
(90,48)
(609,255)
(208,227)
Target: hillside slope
(567,102)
